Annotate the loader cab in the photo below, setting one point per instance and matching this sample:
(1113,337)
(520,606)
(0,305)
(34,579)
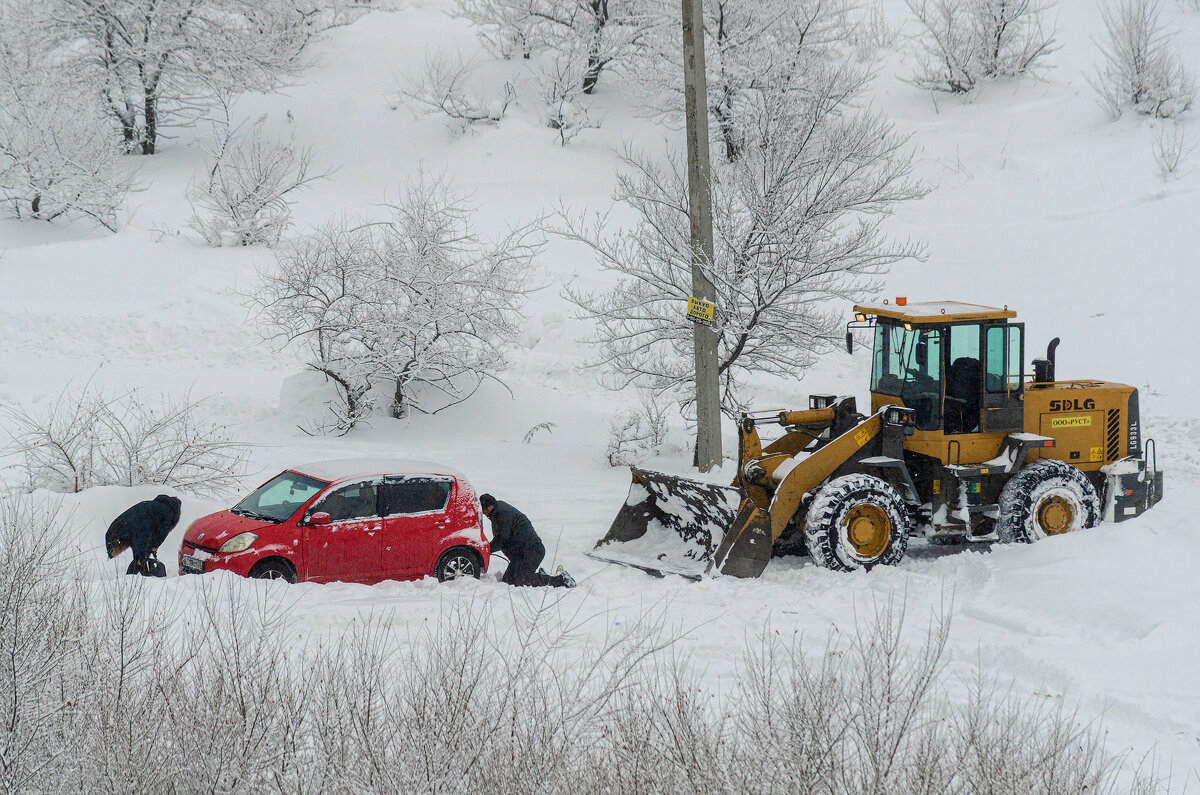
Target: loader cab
(958,366)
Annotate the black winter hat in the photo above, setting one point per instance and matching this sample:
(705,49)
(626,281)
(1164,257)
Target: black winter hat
(487,500)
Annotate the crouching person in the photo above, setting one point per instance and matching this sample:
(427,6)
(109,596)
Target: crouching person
(143,527)
(514,536)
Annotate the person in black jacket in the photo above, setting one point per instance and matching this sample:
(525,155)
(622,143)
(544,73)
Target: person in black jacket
(144,527)
(514,536)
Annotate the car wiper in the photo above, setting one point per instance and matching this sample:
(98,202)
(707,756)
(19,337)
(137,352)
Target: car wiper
(253,515)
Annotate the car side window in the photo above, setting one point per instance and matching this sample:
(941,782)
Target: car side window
(356,501)
(415,495)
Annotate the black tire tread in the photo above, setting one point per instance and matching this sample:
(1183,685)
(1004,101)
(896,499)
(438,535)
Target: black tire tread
(821,534)
(1016,498)
(439,567)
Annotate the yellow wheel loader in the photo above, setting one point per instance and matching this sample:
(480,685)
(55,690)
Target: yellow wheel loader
(959,445)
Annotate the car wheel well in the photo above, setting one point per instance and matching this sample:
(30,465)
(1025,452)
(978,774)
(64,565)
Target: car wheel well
(263,568)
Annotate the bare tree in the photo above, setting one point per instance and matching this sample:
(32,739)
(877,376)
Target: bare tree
(85,438)
(797,223)
(1171,148)
(560,89)
(441,87)
(1142,70)
(156,62)
(602,33)
(57,155)
(636,434)
(418,301)
(506,27)
(751,45)
(965,43)
(245,198)
(248,704)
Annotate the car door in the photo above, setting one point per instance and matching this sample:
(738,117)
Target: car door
(414,523)
(349,547)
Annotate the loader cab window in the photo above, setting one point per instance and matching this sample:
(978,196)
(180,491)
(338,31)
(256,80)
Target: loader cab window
(1003,359)
(908,364)
(964,380)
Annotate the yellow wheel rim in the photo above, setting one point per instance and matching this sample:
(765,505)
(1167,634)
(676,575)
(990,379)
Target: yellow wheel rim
(1055,515)
(868,530)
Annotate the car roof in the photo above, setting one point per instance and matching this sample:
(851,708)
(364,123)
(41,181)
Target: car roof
(342,469)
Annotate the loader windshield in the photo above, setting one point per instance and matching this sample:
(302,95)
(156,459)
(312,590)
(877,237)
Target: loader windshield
(908,365)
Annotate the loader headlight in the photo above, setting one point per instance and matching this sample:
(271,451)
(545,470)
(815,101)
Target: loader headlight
(239,542)
(897,416)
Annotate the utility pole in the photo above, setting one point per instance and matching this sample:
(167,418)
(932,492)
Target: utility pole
(708,391)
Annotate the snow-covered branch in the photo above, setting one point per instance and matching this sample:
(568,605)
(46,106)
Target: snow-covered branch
(245,197)
(58,156)
(85,438)
(1143,70)
(797,222)
(965,43)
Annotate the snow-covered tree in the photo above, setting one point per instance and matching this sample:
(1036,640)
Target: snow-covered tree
(58,156)
(560,90)
(1142,70)
(443,86)
(418,299)
(159,61)
(600,32)
(750,45)
(797,223)
(244,198)
(965,43)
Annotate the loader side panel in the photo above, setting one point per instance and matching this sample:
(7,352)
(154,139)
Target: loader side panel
(1089,421)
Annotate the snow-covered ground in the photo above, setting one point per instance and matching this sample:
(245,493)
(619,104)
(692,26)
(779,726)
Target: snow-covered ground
(1039,203)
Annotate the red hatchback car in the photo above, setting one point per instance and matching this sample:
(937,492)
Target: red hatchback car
(350,521)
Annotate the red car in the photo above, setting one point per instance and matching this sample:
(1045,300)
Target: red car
(350,521)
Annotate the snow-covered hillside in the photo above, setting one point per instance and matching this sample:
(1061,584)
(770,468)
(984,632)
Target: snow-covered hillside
(1038,202)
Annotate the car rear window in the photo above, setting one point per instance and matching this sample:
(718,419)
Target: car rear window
(414,495)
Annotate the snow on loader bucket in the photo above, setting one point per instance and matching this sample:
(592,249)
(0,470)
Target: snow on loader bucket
(672,525)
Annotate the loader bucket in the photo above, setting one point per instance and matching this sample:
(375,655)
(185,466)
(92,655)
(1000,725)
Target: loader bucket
(746,548)
(672,525)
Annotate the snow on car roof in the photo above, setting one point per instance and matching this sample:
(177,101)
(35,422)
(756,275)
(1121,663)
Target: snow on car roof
(346,468)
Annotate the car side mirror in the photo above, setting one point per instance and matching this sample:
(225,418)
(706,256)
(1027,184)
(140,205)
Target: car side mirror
(319,518)
(850,342)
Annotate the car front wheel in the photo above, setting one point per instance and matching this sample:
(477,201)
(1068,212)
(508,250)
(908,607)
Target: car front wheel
(456,563)
(274,569)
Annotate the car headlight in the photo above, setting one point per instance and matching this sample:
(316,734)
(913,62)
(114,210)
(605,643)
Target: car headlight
(239,542)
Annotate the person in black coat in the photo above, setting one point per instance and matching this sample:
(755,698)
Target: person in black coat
(143,527)
(514,536)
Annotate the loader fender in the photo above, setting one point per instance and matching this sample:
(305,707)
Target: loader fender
(813,470)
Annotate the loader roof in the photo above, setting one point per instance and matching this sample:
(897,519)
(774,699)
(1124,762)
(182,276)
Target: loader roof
(935,312)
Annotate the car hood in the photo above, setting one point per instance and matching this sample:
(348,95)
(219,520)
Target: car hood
(213,530)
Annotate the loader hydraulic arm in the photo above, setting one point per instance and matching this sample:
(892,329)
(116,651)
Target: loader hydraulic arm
(808,473)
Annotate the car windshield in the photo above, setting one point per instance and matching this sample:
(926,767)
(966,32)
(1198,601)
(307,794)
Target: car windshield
(279,497)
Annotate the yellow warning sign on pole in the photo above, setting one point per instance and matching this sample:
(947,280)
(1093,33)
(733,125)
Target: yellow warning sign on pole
(700,311)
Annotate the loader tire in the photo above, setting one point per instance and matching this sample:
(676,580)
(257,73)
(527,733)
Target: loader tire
(856,522)
(1046,498)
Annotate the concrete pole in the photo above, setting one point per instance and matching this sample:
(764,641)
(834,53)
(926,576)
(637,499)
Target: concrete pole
(708,391)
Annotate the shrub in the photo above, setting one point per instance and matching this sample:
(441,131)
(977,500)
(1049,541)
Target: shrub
(84,438)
